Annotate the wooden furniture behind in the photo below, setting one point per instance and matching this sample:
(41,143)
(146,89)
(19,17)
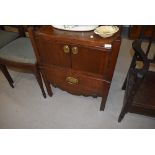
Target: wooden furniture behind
(19,54)
(139,85)
(135,30)
(77,62)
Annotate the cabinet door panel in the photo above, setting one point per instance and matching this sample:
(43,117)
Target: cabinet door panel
(90,60)
(53,53)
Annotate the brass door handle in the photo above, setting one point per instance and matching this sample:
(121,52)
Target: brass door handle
(72,80)
(66,49)
(75,50)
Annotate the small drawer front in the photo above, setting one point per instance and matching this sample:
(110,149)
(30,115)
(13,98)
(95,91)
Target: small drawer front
(75,82)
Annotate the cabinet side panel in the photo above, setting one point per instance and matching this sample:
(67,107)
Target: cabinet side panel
(112,60)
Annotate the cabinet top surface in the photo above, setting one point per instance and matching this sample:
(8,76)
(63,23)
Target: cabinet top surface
(87,37)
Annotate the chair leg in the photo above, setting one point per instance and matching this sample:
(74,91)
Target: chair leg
(126,104)
(6,74)
(102,106)
(121,116)
(124,110)
(39,80)
(103,102)
(125,107)
(47,84)
(124,84)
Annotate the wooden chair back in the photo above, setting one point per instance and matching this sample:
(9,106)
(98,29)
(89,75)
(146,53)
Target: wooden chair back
(136,75)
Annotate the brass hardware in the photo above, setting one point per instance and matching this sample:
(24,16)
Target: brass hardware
(74,50)
(72,80)
(66,49)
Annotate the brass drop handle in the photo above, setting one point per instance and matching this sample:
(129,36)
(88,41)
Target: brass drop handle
(72,80)
(75,50)
(66,49)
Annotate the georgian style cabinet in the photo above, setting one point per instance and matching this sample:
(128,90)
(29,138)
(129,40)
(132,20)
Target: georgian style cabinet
(81,63)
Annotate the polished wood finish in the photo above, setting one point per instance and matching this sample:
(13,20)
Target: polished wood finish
(87,84)
(76,62)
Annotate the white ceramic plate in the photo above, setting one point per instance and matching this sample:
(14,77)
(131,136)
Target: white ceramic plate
(76,27)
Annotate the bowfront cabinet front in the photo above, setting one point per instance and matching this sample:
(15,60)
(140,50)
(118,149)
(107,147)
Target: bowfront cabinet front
(81,63)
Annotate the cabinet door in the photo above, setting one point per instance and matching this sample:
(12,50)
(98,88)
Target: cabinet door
(52,53)
(90,60)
